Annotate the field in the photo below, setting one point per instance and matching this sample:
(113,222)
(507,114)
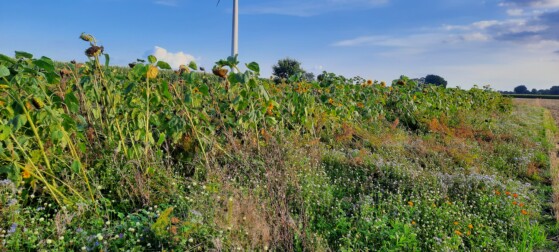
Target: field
(100,158)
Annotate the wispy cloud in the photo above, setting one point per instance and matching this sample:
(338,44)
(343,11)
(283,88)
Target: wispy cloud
(174,59)
(531,3)
(309,7)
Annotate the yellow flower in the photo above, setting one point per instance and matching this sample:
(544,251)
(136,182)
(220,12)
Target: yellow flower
(410,203)
(456,223)
(369,82)
(152,72)
(25,174)
(470,226)
(497,192)
(457,232)
(413,222)
(524,212)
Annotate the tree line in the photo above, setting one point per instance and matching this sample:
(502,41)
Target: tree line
(290,69)
(522,89)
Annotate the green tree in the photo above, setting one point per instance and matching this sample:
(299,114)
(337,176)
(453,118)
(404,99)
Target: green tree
(521,90)
(286,68)
(435,80)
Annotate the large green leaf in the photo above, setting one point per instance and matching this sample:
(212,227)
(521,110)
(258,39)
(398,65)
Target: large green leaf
(4,71)
(193,65)
(253,66)
(164,89)
(44,64)
(76,166)
(164,65)
(72,102)
(20,54)
(4,58)
(4,132)
(17,122)
(152,59)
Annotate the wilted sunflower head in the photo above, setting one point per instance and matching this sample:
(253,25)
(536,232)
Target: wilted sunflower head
(383,84)
(221,72)
(132,65)
(87,37)
(65,72)
(183,69)
(93,51)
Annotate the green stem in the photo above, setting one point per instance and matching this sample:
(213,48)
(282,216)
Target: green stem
(147,118)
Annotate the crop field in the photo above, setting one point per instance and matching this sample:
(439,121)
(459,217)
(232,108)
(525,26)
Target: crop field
(101,158)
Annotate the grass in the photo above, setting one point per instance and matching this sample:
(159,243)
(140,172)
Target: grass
(97,158)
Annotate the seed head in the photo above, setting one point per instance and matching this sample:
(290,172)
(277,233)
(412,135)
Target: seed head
(87,37)
(94,51)
(221,72)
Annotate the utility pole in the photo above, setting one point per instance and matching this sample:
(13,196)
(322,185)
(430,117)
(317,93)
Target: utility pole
(235,39)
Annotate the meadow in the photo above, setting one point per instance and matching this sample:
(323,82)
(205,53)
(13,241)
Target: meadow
(101,158)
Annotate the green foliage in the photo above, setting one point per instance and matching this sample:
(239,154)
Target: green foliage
(90,155)
(287,69)
(435,80)
(521,90)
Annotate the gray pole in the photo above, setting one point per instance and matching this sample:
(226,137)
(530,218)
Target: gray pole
(235,42)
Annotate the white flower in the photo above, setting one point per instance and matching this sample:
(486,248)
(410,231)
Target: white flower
(84,248)
(131,230)
(108,223)
(190,240)
(49,241)
(99,237)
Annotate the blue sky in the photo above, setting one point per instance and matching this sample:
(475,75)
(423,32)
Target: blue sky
(503,43)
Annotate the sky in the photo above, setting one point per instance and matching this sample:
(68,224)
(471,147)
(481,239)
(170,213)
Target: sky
(501,43)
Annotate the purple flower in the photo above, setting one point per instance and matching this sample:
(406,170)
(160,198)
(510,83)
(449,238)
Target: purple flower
(79,230)
(12,229)
(120,235)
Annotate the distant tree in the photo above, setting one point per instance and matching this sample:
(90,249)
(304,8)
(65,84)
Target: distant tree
(534,91)
(308,76)
(435,80)
(521,90)
(554,90)
(286,68)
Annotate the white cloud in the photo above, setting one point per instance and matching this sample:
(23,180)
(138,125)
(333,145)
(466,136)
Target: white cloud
(531,3)
(309,7)
(515,12)
(174,59)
